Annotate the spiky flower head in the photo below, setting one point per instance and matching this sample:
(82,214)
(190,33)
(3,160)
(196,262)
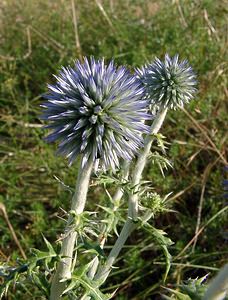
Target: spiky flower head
(96,110)
(171,83)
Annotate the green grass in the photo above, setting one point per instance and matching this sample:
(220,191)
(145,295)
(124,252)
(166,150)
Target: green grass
(133,33)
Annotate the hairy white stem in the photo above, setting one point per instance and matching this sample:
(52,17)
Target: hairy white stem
(218,288)
(130,225)
(116,197)
(119,192)
(141,162)
(77,206)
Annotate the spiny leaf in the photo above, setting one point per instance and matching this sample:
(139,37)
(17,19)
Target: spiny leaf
(179,296)
(92,290)
(160,139)
(192,289)
(90,287)
(162,241)
(161,161)
(49,246)
(41,283)
(93,248)
(71,286)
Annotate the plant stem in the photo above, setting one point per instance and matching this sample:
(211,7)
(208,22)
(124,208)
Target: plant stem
(218,288)
(130,223)
(141,162)
(104,271)
(116,198)
(70,235)
(119,192)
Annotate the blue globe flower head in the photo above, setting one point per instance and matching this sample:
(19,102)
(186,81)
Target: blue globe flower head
(171,83)
(96,110)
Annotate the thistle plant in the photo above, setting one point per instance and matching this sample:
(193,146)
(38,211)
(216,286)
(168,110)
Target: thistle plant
(168,84)
(98,111)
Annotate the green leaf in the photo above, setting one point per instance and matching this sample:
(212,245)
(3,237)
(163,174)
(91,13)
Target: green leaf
(93,248)
(36,269)
(161,161)
(192,289)
(179,295)
(41,283)
(71,286)
(162,241)
(92,290)
(49,246)
(160,139)
(90,287)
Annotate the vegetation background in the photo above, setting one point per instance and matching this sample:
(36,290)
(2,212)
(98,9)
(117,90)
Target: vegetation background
(36,38)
